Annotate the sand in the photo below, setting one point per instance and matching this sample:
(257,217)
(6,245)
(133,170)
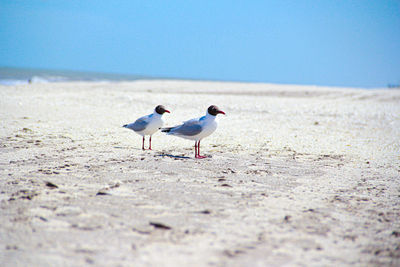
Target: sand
(296,176)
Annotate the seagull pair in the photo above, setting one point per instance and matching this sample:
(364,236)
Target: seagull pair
(194,129)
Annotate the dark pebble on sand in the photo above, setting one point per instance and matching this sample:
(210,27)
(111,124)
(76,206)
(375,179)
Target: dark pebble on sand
(309,210)
(205,212)
(396,233)
(43,218)
(160,226)
(101,193)
(287,218)
(51,185)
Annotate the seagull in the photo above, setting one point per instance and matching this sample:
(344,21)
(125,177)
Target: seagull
(196,129)
(149,124)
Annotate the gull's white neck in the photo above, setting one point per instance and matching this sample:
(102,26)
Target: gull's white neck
(210,117)
(156,114)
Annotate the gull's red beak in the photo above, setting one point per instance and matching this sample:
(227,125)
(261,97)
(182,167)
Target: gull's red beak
(167,111)
(221,112)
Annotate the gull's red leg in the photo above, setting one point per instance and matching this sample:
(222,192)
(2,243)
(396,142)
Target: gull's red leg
(195,149)
(150,143)
(198,152)
(143,143)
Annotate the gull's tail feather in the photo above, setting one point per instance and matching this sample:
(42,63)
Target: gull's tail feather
(125,125)
(166,130)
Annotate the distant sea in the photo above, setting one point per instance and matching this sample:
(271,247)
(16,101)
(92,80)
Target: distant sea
(14,76)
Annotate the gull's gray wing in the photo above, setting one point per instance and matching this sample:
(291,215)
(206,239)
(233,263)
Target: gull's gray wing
(189,128)
(139,125)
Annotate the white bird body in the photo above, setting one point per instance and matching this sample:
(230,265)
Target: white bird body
(196,129)
(149,124)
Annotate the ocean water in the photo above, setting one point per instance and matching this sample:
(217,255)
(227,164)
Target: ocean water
(14,76)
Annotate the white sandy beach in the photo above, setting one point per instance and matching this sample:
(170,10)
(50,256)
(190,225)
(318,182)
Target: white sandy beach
(297,176)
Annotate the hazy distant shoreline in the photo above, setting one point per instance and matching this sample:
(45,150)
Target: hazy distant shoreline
(13,76)
(17,76)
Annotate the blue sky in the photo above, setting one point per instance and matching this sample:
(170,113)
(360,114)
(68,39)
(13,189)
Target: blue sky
(337,43)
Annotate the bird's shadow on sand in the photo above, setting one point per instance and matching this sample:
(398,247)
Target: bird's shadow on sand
(173,156)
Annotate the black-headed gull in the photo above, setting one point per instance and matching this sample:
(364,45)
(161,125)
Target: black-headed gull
(196,129)
(149,124)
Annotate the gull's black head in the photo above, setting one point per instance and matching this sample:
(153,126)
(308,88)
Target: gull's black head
(160,109)
(214,110)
